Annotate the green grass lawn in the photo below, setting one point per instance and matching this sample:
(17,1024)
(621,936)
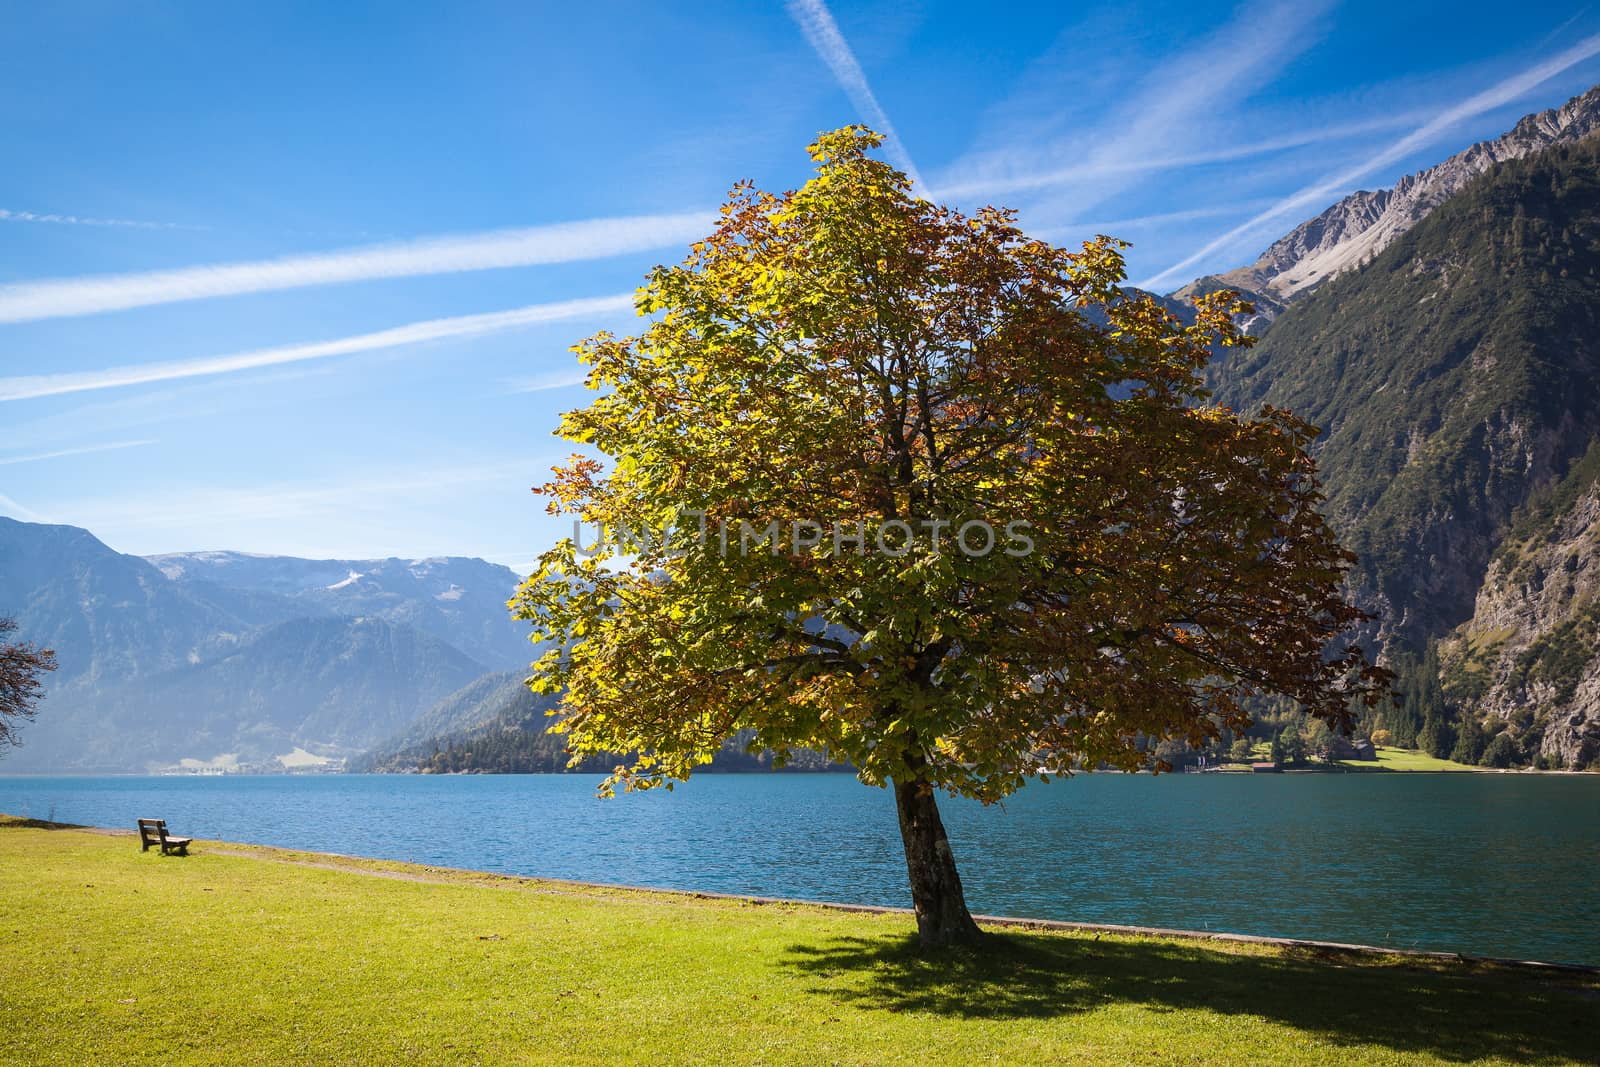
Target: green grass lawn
(1404,759)
(239,955)
(1389,759)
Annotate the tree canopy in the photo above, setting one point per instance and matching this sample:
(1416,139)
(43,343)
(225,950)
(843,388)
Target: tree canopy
(21,665)
(944,500)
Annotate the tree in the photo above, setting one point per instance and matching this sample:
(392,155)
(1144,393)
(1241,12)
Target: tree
(1175,752)
(1294,746)
(1501,752)
(1429,691)
(1436,737)
(1402,714)
(1427,695)
(1276,752)
(1469,740)
(1319,739)
(942,500)
(1418,699)
(21,664)
(1241,749)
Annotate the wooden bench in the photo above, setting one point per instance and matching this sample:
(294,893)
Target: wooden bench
(154,832)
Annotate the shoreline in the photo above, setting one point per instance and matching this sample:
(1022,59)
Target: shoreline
(1338,768)
(372,866)
(1357,768)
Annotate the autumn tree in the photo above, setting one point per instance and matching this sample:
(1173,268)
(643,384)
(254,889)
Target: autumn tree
(941,499)
(21,665)
(1294,746)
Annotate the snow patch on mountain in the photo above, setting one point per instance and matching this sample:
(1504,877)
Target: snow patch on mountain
(354,577)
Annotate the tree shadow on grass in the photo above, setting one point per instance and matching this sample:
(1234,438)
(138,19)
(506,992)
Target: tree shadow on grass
(1454,1011)
(18,822)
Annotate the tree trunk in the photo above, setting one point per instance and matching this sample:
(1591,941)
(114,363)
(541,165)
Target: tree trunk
(936,897)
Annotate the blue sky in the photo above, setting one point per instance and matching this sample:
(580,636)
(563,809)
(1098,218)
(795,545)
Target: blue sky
(301,278)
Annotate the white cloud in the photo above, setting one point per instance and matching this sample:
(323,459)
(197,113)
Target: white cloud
(408,511)
(1315,195)
(7,215)
(1112,226)
(558,243)
(816,22)
(374,493)
(1112,167)
(1171,107)
(85,450)
(18,511)
(142,410)
(37,385)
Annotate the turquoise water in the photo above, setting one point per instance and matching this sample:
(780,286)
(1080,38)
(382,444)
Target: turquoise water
(1504,865)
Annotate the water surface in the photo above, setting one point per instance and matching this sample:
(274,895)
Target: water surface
(1505,865)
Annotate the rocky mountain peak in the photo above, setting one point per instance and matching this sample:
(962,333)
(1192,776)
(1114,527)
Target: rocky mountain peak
(1363,224)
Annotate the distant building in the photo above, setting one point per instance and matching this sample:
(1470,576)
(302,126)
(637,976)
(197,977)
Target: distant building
(1268,767)
(1356,749)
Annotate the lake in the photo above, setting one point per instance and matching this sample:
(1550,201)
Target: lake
(1504,865)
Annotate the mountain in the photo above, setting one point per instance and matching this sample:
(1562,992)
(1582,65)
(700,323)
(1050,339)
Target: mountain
(472,707)
(159,671)
(459,600)
(497,725)
(110,617)
(1529,657)
(334,683)
(1452,377)
(302,692)
(1456,378)
(1359,227)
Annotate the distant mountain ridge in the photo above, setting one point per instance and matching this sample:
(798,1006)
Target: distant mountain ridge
(457,599)
(497,725)
(225,660)
(494,724)
(108,615)
(1363,224)
(325,687)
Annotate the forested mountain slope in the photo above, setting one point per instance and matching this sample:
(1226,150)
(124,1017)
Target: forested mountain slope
(1453,378)
(1456,378)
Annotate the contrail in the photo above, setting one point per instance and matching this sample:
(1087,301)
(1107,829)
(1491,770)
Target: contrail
(85,450)
(558,243)
(1162,110)
(1153,161)
(1316,193)
(29,386)
(816,22)
(7,215)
